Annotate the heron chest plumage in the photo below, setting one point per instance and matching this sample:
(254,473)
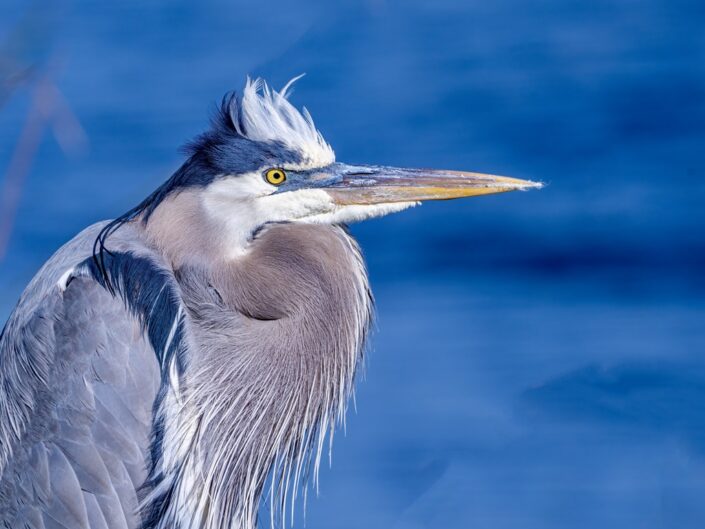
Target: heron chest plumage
(275,338)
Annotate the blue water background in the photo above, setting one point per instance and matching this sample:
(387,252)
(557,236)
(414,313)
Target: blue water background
(540,357)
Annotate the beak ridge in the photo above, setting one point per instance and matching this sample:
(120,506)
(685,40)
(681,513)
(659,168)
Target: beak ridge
(379,185)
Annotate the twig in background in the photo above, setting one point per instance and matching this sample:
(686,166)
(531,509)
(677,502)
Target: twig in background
(47,107)
(28,61)
(19,167)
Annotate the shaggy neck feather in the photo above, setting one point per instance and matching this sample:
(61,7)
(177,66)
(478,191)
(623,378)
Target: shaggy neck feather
(277,338)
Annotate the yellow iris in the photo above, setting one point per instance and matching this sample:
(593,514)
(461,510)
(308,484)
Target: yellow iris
(276,177)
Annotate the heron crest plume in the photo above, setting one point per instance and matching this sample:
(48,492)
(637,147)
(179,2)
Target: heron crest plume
(265,115)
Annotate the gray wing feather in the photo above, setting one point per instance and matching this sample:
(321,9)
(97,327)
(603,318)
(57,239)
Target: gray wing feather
(76,423)
(96,518)
(66,507)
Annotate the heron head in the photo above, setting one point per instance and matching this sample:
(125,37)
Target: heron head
(264,161)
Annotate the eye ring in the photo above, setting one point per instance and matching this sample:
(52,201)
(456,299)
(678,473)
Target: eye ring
(275,176)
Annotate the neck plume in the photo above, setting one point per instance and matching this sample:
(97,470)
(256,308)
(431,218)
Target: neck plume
(276,340)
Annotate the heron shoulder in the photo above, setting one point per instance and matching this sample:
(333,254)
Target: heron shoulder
(77,383)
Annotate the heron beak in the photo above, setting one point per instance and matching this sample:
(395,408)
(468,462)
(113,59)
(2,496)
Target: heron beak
(380,185)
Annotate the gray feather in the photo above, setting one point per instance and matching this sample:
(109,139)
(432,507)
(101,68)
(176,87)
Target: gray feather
(78,385)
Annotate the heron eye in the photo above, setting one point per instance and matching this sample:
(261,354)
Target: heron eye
(276,177)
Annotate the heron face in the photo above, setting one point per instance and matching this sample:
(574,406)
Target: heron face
(340,193)
(264,161)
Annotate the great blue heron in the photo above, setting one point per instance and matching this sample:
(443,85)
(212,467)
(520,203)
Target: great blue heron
(162,366)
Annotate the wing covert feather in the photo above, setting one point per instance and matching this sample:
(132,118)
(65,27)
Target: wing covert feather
(86,377)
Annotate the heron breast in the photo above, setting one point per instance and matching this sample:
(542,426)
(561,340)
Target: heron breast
(293,270)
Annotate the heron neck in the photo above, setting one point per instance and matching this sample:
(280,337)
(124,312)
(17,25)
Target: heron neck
(181,228)
(277,337)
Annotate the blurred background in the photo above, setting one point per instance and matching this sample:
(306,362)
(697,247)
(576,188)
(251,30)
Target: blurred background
(540,357)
